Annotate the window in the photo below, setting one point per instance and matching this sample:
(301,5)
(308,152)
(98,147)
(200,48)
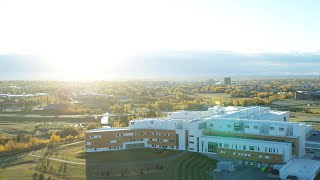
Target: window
(191,135)
(246,126)
(251,148)
(141,133)
(281,129)
(220,144)
(244,147)
(226,145)
(112,141)
(132,123)
(88,143)
(95,136)
(191,142)
(256,127)
(267,157)
(271,128)
(212,147)
(229,126)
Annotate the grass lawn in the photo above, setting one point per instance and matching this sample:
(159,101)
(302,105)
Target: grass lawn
(24,168)
(177,165)
(308,118)
(73,153)
(27,165)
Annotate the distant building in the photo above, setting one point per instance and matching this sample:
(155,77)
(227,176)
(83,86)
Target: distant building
(305,95)
(227,81)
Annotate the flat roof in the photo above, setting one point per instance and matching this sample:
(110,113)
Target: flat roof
(278,112)
(106,129)
(302,166)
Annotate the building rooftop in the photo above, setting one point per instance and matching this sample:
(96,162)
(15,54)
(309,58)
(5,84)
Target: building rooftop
(304,166)
(106,129)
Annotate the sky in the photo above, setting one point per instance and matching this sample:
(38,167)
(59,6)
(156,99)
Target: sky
(77,39)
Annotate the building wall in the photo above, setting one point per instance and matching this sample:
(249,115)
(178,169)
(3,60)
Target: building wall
(259,151)
(294,141)
(115,140)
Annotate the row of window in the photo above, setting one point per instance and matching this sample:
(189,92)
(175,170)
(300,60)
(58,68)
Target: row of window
(95,136)
(244,154)
(162,146)
(113,141)
(142,133)
(162,140)
(280,128)
(213,133)
(245,147)
(254,127)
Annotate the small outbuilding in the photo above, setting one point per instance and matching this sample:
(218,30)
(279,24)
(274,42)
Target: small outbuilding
(225,166)
(302,169)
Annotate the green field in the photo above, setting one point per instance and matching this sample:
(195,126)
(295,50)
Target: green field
(27,165)
(152,163)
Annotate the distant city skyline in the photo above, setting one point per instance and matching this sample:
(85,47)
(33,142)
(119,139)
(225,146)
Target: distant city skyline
(81,39)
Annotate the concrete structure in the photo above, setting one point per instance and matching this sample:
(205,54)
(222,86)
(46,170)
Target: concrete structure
(227,81)
(225,166)
(302,169)
(253,136)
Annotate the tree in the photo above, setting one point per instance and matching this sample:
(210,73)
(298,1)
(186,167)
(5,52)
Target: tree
(127,108)
(68,131)
(92,126)
(55,138)
(24,138)
(41,177)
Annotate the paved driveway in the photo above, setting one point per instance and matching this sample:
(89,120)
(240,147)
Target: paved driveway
(244,173)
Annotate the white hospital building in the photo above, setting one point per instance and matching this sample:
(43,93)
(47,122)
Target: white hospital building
(255,136)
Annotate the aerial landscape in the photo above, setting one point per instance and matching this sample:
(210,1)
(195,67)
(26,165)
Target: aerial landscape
(181,90)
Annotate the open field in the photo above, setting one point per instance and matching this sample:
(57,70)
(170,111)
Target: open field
(154,165)
(27,165)
(74,153)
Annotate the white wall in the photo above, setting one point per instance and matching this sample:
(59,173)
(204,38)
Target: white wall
(282,148)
